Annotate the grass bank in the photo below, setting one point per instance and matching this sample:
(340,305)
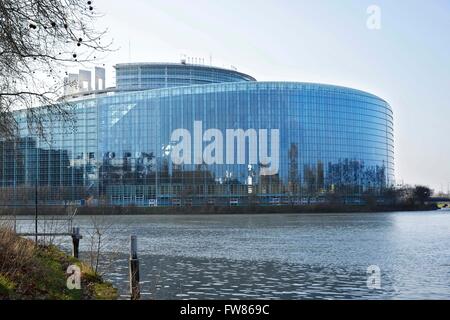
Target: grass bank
(30,272)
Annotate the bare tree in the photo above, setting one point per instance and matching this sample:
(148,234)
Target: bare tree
(39,40)
(103,248)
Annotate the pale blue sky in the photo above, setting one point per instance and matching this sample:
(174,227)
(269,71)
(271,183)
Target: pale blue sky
(407,62)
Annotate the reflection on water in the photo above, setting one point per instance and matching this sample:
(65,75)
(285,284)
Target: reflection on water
(281,256)
(196,278)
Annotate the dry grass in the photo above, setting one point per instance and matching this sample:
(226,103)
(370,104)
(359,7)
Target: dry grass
(28,271)
(16,254)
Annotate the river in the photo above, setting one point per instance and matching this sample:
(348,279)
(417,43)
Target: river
(305,256)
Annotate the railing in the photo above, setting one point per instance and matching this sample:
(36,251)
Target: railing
(51,226)
(60,225)
(70,230)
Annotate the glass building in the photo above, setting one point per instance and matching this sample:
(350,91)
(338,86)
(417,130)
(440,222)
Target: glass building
(333,141)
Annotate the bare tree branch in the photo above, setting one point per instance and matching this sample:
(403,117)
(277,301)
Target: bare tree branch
(39,40)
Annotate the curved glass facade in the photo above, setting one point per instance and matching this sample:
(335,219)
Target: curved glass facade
(140,76)
(332,140)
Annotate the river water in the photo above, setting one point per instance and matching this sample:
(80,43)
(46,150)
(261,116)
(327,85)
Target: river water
(307,256)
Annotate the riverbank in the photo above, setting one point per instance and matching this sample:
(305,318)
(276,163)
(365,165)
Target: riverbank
(280,209)
(30,272)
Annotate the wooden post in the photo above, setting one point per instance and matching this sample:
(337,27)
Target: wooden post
(134,270)
(76,236)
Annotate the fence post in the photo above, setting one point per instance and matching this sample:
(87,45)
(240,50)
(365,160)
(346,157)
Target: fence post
(134,270)
(76,236)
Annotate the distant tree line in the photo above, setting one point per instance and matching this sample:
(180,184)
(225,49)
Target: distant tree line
(410,195)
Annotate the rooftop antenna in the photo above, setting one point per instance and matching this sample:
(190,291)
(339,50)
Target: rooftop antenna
(183,59)
(210,59)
